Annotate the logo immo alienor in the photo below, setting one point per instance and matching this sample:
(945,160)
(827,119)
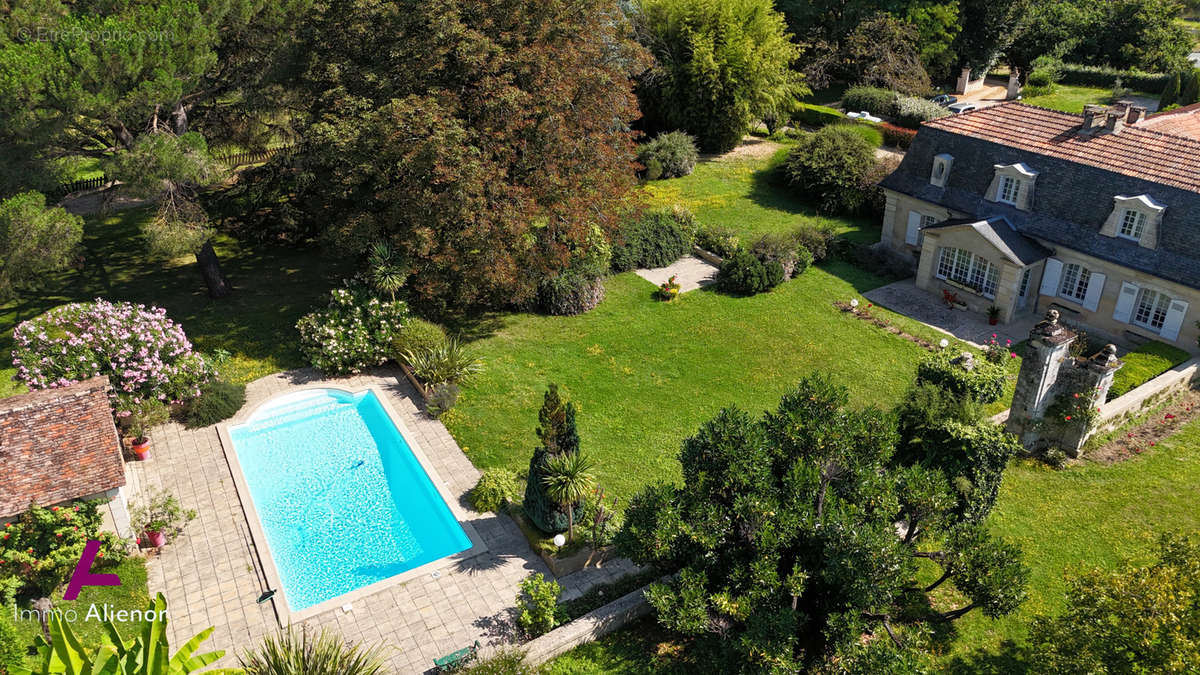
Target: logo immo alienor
(83,575)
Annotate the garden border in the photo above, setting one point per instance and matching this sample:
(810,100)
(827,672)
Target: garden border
(1115,411)
(588,628)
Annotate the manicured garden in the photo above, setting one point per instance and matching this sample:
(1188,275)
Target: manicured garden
(1072,98)
(1094,515)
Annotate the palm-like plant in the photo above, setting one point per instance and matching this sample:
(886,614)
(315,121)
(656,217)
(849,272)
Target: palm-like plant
(568,479)
(386,275)
(299,652)
(451,361)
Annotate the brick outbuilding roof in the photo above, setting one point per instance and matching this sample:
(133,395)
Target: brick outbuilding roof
(1183,121)
(57,445)
(1137,151)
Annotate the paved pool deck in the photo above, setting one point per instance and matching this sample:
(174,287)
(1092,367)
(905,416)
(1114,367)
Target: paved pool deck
(212,575)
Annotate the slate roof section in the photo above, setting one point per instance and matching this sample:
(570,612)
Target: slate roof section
(57,445)
(1072,196)
(999,233)
(1183,121)
(1136,151)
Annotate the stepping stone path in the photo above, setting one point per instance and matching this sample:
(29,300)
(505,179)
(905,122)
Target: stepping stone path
(690,273)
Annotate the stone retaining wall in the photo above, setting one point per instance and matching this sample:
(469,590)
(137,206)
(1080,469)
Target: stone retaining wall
(1179,377)
(587,628)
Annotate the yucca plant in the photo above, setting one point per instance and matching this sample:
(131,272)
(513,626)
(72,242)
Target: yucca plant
(300,652)
(385,273)
(451,361)
(568,479)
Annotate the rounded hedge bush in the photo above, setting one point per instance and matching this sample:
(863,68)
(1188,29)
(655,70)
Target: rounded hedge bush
(719,240)
(983,382)
(353,332)
(911,111)
(827,168)
(495,487)
(669,155)
(417,335)
(871,99)
(657,238)
(744,274)
(570,293)
(217,402)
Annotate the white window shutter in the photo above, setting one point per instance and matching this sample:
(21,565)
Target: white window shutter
(913,234)
(1174,320)
(1129,293)
(1050,276)
(1091,300)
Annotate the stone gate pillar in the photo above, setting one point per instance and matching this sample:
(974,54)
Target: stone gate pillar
(1049,374)
(1048,348)
(1014,84)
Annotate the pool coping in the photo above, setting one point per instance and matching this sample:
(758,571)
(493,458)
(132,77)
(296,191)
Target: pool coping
(262,550)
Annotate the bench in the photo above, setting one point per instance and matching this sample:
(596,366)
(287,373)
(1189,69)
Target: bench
(453,660)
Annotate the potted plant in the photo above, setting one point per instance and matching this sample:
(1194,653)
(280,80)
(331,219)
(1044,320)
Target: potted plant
(142,417)
(668,290)
(993,313)
(158,517)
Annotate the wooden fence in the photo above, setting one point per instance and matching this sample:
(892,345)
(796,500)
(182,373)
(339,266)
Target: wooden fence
(233,161)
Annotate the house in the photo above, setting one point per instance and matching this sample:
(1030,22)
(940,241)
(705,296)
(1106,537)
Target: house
(1027,209)
(59,445)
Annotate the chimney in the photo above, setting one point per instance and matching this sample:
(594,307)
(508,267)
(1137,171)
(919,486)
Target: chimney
(1114,120)
(1136,114)
(1093,117)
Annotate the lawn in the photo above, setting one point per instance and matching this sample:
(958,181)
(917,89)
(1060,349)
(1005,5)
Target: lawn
(131,594)
(274,286)
(1071,98)
(740,193)
(646,374)
(1065,521)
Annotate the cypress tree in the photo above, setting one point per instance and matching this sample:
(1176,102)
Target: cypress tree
(1190,88)
(556,430)
(1170,93)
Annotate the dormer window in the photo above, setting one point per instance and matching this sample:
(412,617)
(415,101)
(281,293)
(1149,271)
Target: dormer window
(1010,189)
(1012,184)
(1136,219)
(941,169)
(1133,225)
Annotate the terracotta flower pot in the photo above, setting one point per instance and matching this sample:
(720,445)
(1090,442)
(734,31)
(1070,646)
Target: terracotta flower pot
(992,321)
(141,449)
(155,539)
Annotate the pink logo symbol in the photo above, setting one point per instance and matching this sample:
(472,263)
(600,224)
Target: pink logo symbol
(82,576)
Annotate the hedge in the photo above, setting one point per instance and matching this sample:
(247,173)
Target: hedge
(897,136)
(871,99)
(813,115)
(1144,364)
(1104,76)
(911,112)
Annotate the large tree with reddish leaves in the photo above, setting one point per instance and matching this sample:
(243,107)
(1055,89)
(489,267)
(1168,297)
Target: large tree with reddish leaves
(486,141)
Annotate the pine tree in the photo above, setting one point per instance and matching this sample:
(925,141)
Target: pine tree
(556,430)
(1170,93)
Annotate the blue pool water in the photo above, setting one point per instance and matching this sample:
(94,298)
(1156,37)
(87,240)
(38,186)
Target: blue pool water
(342,499)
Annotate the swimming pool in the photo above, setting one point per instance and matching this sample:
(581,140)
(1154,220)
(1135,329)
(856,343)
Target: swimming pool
(342,500)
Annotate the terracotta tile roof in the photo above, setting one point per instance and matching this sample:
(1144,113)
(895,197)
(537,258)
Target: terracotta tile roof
(1178,122)
(57,445)
(1135,151)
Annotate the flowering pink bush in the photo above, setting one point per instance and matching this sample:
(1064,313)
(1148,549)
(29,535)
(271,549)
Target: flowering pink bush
(144,354)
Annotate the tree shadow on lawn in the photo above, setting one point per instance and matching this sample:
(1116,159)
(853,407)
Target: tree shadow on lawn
(273,287)
(1010,659)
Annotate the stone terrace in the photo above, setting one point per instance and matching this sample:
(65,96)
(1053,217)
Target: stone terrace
(211,575)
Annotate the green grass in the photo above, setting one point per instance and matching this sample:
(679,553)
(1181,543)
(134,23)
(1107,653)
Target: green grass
(274,286)
(131,594)
(1072,98)
(1091,516)
(1065,521)
(646,374)
(741,194)
(1144,364)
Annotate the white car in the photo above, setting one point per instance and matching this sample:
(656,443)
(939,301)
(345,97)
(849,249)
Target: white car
(957,108)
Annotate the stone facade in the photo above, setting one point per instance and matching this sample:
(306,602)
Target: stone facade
(1048,374)
(1084,188)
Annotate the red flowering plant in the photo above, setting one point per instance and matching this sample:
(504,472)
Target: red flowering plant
(668,290)
(41,547)
(1076,408)
(995,352)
